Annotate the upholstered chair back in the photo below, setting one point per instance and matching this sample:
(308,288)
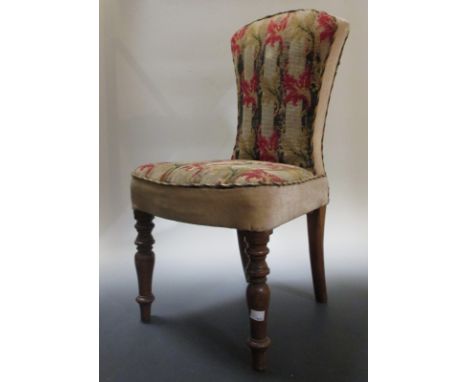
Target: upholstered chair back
(285,65)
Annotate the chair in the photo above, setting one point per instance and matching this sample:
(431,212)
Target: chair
(285,65)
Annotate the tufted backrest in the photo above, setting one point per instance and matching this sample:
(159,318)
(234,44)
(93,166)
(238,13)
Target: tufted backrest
(285,65)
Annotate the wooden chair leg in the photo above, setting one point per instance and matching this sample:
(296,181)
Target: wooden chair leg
(243,253)
(315,226)
(144,262)
(258,296)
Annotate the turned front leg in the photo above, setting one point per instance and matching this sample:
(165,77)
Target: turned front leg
(258,296)
(144,262)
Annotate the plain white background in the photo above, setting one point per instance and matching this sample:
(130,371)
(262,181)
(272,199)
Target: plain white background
(49,156)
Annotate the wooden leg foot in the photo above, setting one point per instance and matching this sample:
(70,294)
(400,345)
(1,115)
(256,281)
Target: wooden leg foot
(144,263)
(258,296)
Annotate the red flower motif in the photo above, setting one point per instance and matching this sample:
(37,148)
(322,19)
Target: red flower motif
(273,29)
(248,89)
(146,168)
(268,147)
(328,25)
(297,89)
(235,48)
(261,175)
(198,167)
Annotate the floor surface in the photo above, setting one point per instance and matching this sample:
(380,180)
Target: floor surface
(199,319)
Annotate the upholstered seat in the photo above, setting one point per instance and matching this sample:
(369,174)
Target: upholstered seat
(234,194)
(231,173)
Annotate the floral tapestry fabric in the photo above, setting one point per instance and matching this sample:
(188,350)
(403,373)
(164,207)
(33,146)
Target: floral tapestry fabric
(279,62)
(231,173)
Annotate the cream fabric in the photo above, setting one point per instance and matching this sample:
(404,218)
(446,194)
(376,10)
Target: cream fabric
(257,208)
(328,79)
